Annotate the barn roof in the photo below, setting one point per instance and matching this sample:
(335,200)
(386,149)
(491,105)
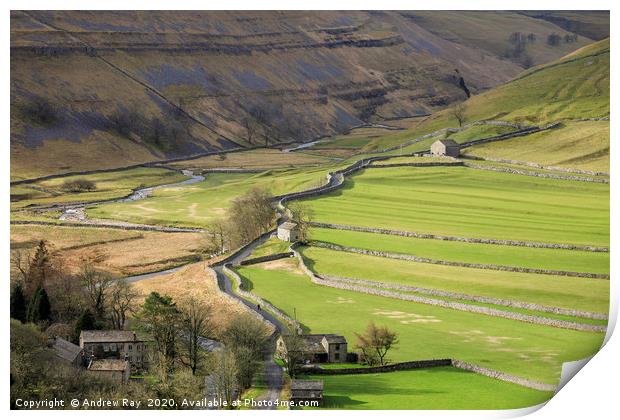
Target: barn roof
(447,142)
(107,336)
(288,225)
(108,365)
(304,385)
(65,350)
(335,339)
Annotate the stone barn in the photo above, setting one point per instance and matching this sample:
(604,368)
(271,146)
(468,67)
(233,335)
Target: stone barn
(116,370)
(446,147)
(306,391)
(318,348)
(288,231)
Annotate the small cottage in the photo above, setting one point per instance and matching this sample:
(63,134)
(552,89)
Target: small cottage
(288,231)
(446,147)
(306,391)
(115,370)
(317,348)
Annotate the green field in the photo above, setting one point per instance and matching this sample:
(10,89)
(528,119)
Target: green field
(550,259)
(560,291)
(425,389)
(109,185)
(582,145)
(271,246)
(426,331)
(200,203)
(472,203)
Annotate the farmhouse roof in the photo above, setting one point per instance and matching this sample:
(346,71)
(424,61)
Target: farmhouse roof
(335,339)
(108,365)
(107,336)
(302,385)
(448,142)
(288,225)
(65,350)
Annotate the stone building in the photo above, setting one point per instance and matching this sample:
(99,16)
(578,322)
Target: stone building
(67,352)
(115,370)
(306,391)
(317,348)
(446,147)
(288,231)
(114,344)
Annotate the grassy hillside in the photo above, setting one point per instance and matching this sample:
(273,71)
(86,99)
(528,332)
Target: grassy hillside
(573,88)
(191,82)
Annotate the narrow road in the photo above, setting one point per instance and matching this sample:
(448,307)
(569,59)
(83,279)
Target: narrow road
(272,371)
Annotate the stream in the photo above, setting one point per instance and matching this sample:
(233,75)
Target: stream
(77,212)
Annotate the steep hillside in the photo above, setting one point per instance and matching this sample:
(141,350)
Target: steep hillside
(573,90)
(104,89)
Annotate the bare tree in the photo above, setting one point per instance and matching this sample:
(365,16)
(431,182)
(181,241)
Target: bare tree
(224,377)
(122,298)
(375,343)
(194,324)
(96,285)
(250,216)
(458,112)
(302,215)
(21,260)
(295,353)
(246,337)
(217,233)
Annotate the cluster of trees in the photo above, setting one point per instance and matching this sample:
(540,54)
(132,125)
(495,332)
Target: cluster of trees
(517,50)
(166,134)
(269,121)
(555,39)
(35,374)
(79,185)
(177,330)
(40,110)
(250,216)
(65,304)
(94,300)
(235,366)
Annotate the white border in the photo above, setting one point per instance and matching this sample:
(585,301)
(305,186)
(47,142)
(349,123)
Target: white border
(592,393)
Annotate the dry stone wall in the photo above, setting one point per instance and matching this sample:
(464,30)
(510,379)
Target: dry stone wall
(537,174)
(503,376)
(414,258)
(263,303)
(507,242)
(463,296)
(538,165)
(450,305)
